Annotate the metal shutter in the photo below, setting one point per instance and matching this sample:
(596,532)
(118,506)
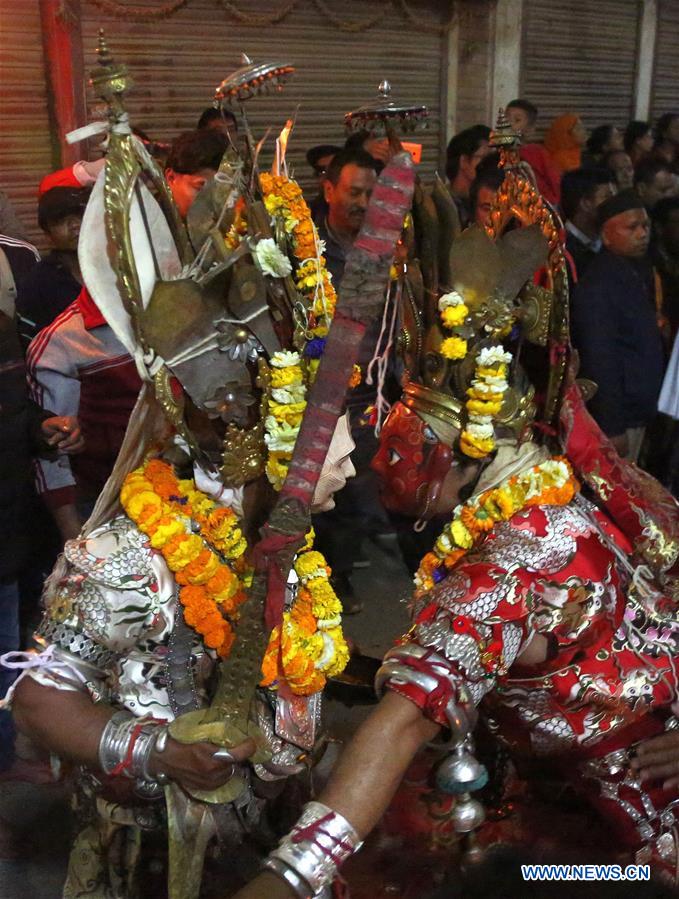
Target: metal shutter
(580,56)
(25,148)
(665,94)
(178,61)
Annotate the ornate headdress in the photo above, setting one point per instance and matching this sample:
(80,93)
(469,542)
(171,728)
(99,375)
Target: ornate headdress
(227,309)
(472,312)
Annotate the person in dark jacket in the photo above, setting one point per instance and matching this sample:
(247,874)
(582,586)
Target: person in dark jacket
(614,325)
(26,430)
(55,281)
(582,192)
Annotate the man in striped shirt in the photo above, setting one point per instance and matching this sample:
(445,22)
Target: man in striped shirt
(77,366)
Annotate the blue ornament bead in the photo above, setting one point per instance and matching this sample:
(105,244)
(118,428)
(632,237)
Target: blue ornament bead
(448,784)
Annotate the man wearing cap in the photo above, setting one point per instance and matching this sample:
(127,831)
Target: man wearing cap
(55,281)
(319,158)
(614,325)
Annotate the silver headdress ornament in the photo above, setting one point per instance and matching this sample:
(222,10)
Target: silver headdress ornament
(384,114)
(252,79)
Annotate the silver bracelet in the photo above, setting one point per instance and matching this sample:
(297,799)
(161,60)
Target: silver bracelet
(297,884)
(316,847)
(114,746)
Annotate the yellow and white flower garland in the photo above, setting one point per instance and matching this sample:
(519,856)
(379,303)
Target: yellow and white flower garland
(454,313)
(486,396)
(550,483)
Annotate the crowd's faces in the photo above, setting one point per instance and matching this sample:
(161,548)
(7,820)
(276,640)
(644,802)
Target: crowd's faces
(601,193)
(520,121)
(321,169)
(469,164)
(348,199)
(628,233)
(185,188)
(644,144)
(615,142)
(663,185)
(484,204)
(623,170)
(579,133)
(64,233)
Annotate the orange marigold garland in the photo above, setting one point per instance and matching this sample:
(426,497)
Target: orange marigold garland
(551,483)
(209,565)
(309,646)
(204,547)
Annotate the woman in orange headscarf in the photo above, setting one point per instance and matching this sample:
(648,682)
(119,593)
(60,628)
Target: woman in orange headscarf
(564,141)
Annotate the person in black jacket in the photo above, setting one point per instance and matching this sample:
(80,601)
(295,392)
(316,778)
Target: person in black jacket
(614,325)
(55,281)
(26,430)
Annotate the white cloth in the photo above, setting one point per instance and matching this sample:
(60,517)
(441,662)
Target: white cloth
(668,402)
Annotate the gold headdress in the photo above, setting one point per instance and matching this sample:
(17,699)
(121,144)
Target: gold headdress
(473,311)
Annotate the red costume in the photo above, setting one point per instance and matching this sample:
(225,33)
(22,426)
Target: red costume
(565,574)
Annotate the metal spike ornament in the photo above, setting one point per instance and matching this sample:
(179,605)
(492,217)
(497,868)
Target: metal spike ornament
(507,141)
(383,114)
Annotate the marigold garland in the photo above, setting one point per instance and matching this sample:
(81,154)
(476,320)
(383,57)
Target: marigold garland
(284,202)
(287,401)
(551,483)
(309,646)
(204,547)
(209,565)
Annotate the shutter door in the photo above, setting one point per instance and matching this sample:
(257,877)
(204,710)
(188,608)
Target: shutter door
(665,96)
(580,56)
(177,62)
(25,148)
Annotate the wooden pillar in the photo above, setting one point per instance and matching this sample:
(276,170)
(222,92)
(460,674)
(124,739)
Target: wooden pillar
(449,85)
(64,71)
(648,30)
(507,54)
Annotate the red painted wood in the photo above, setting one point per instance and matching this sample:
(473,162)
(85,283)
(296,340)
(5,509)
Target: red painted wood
(62,41)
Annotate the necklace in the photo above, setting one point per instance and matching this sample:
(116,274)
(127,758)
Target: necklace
(551,483)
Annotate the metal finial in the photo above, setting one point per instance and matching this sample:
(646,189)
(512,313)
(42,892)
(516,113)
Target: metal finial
(245,59)
(103,53)
(384,88)
(503,135)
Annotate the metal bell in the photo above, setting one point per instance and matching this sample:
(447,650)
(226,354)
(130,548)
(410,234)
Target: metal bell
(468,814)
(461,773)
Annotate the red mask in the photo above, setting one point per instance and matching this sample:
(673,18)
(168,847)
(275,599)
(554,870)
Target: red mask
(412,464)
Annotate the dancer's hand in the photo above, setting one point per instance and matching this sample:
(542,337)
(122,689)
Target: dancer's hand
(658,759)
(195,766)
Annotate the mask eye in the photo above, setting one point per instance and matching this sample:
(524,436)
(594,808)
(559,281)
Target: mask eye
(393,456)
